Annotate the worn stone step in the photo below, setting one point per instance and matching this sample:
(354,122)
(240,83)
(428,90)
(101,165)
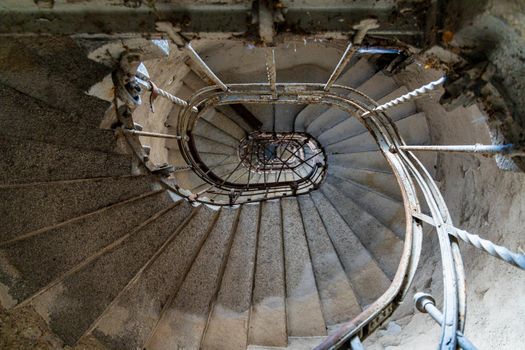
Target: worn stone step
(356,75)
(388,211)
(351,127)
(268,313)
(204,144)
(285,116)
(44,257)
(381,182)
(373,161)
(224,123)
(183,323)
(231,311)
(39,122)
(30,161)
(54,70)
(379,240)
(32,207)
(413,129)
(89,291)
(338,301)
(303,308)
(294,343)
(129,321)
(366,277)
(210,131)
(378,86)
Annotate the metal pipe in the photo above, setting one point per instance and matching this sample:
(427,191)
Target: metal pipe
(477,148)
(152,134)
(425,303)
(498,251)
(202,65)
(347,56)
(271,71)
(377,50)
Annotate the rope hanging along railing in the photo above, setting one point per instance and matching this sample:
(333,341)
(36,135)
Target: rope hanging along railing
(493,249)
(147,84)
(408,96)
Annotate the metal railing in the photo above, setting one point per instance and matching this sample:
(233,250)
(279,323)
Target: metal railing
(258,158)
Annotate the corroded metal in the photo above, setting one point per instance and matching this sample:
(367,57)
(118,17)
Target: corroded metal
(425,303)
(347,56)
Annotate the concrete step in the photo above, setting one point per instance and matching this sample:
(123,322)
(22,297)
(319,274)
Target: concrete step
(338,301)
(85,295)
(334,117)
(204,144)
(366,277)
(386,210)
(44,257)
(268,313)
(30,161)
(285,116)
(56,71)
(224,123)
(353,77)
(351,127)
(378,86)
(184,321)
(34,207)
(373,161)
(212,132)
(413,129)
(131,318)
(231,311)
(294,343)
(303,308)
(327,120)
(43,123)
(381,182)
(379,240)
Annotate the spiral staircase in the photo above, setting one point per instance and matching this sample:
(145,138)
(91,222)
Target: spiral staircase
(236,223)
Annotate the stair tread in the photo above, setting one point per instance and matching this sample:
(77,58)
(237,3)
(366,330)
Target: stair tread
(231,311)
(384,245)
(389,212)
(60,249)
(46,124)
(28,208)
(59,75)
(338,301)
(366,277)
(30,161)
(303,308)
(130,320)
(413,129)
(82,300)
(183,323)
(268,318)
(353,77)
